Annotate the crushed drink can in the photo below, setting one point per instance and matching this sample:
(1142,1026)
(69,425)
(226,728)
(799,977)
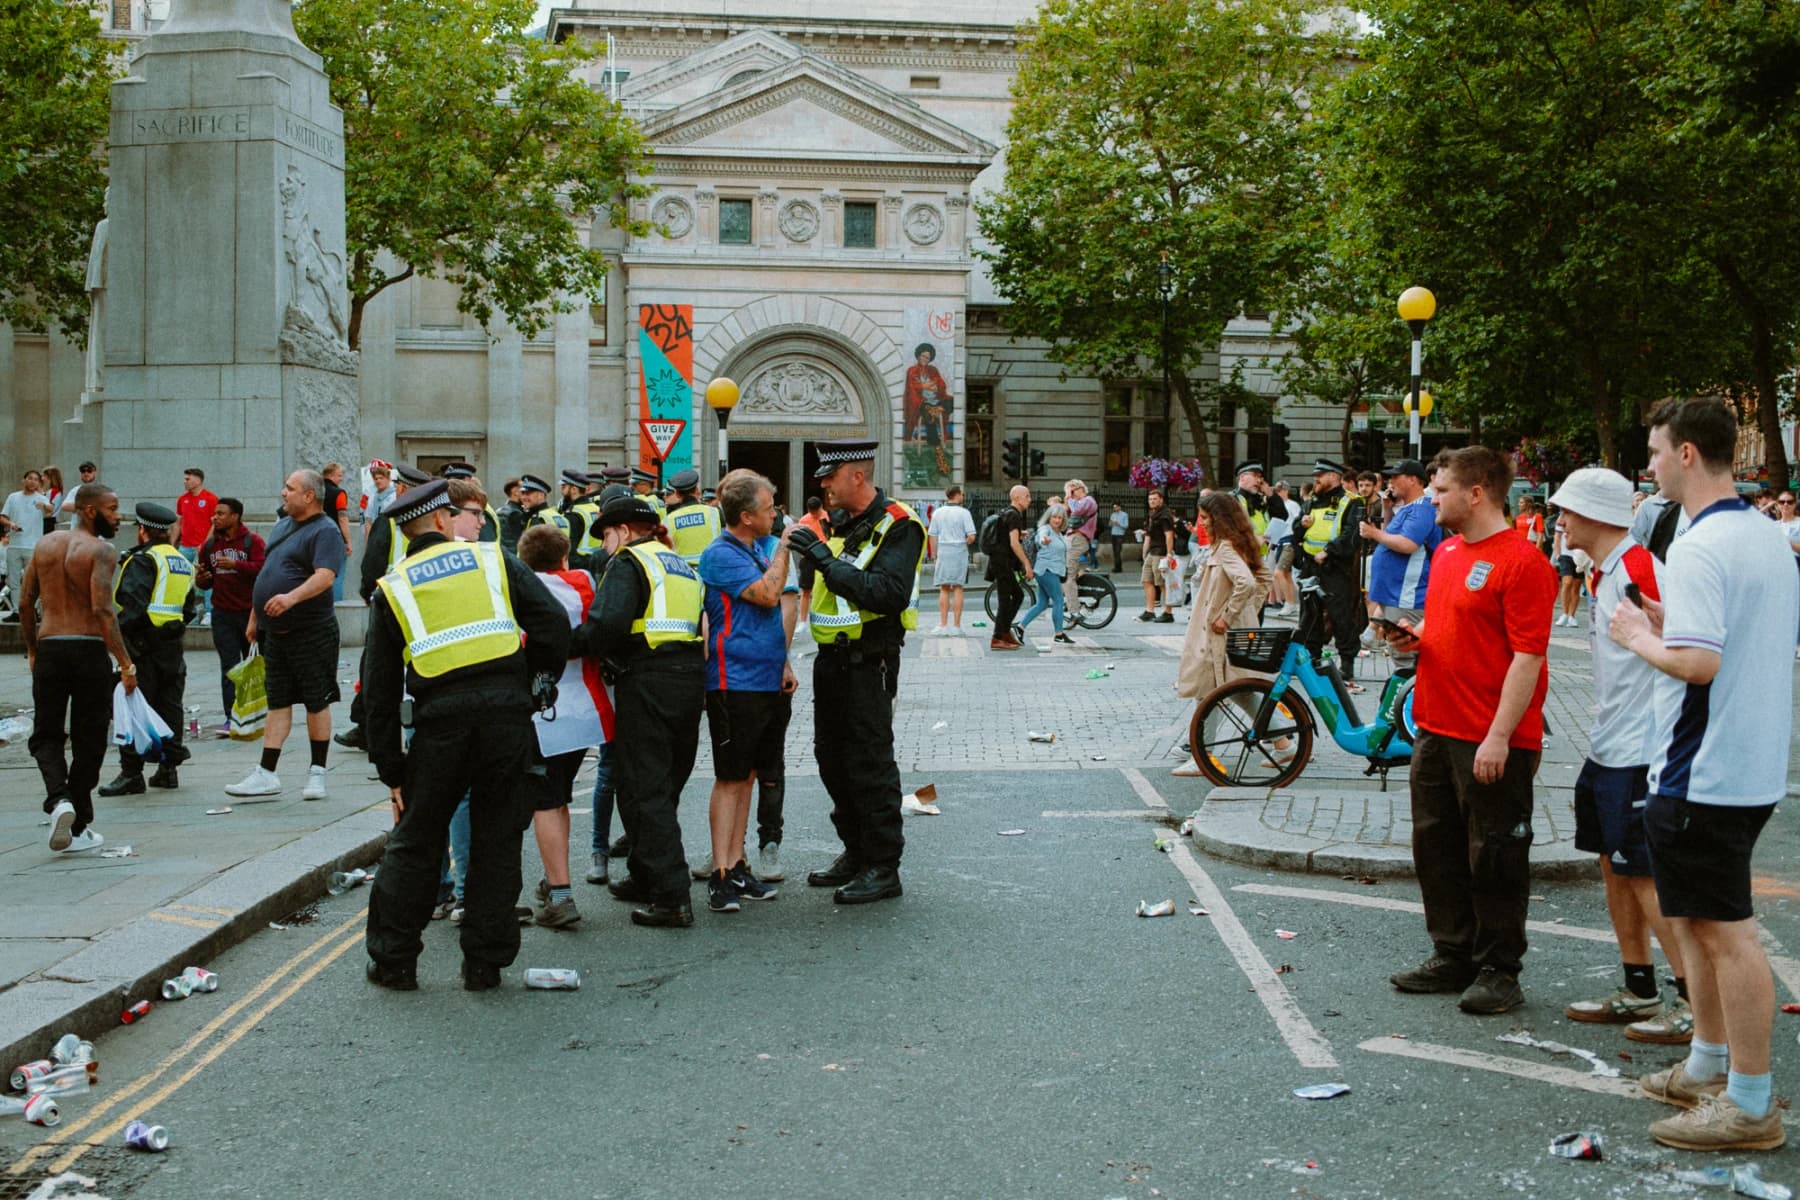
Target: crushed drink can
(134,1012)
(24,1073)
(1162,908)
(202,979)
(42,1110)
(153,1138)
(1322,1091)
(178,988)
(343,881)
(71,1049)
(1586,1144)
(566,979)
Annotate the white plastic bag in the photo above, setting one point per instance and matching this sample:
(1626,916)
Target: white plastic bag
(136,724)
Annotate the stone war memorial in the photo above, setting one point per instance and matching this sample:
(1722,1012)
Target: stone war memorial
(220,266)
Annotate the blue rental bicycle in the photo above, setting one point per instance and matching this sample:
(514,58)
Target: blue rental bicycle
(1259,732)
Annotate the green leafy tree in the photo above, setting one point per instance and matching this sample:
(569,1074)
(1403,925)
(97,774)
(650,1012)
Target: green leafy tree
(467,147)
(1150,128)
(56,70)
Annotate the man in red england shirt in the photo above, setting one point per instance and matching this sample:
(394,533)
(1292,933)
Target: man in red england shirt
(1479,702)
(196,506)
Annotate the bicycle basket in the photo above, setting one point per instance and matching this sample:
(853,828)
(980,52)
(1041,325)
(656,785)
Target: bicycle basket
(1257,649)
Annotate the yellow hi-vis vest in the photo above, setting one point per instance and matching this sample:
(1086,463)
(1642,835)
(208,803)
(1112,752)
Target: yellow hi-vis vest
(832,615)
(676,596)
(1325,523)
(454,607)
(693,527)
(174,580)
(548,516)
(654,501)
(1259,519)
(590,517)
(490,528)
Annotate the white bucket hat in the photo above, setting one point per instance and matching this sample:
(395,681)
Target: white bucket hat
(1598,494)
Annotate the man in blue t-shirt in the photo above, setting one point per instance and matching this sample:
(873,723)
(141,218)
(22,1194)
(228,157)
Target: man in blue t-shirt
(749,684)
(1402,563)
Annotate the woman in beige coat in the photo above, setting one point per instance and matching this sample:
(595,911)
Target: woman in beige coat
(1229,592)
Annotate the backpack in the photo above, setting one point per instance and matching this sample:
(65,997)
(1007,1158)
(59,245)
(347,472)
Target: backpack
(1662,531)
(992,540)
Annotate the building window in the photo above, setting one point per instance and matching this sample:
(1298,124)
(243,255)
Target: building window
(927,83)
(611,78)
(734,222)
(597,317)
(978,434)
(738,78)
(859,225)
(1132,429)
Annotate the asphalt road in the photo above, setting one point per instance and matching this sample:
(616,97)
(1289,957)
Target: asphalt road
(1008,1028)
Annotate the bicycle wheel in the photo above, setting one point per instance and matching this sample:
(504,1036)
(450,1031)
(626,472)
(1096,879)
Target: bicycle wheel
(1233,753)
(1096,601)
(990,601)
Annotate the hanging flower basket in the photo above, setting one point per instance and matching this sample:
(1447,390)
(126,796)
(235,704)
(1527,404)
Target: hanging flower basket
(1169,474)
(1538,459)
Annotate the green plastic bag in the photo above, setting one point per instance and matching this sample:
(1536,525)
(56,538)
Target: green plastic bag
(250,702)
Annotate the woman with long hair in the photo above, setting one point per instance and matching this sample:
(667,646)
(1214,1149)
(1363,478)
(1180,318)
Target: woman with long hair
(53,487)
(1049,560)
(1228,594)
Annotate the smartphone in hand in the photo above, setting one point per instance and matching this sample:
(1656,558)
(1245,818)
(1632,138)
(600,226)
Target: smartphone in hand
(1634,595)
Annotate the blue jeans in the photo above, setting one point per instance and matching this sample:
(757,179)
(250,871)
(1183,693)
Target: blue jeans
(456,856)
(605,796)
(1050,596)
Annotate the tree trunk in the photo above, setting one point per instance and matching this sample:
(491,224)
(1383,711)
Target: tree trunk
(356,312)
(1190,406)
(1762,355)
(1344,433)
(1606,405)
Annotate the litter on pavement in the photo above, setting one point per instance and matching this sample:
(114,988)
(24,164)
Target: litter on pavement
(1041,737)
(153,1139)
(1012,832)
(563,979)
(343,881)
(1586,1144)
(1096,758)
(218,812)
(1162,908)
(1322,1091)
(1286,935)
(1706,1177)
(940,725)
(1097,673)
(1194,910)
(1747,1180)
(118,852)
(1596,1065)
(923,801)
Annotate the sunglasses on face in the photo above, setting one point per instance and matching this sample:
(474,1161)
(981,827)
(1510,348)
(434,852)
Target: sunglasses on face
(478,513)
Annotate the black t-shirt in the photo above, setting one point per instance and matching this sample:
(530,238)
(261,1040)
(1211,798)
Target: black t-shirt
(1009,520)
(1156,531)
(295,551)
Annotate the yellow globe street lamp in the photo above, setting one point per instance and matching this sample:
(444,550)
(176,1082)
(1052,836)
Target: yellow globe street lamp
(1425,404)
(722,397)
(1417,306)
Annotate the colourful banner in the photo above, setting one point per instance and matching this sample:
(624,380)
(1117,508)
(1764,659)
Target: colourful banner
(666,393)
(929,437)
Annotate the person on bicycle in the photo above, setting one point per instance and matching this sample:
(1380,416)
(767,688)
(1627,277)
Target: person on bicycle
(1331,552)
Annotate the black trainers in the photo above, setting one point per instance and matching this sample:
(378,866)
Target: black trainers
(1146,615)
(748,886)
(1439,973)
(1065,639)
(128,783)
(1167,618)
(630,889)
(1494,991)
(722,892)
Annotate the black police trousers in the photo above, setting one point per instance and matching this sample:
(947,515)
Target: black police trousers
(1347,613)
(659,699)
(486,758)
(854,686)
(162,677)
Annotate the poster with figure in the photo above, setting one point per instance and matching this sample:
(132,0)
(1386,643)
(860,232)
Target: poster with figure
(666,382)
(928,439)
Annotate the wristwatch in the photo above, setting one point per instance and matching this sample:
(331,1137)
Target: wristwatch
(128,669)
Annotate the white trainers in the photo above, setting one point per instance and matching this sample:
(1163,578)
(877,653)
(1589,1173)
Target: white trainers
(768,863)
(259,782)
(315,784)
(62,820)
(87,839)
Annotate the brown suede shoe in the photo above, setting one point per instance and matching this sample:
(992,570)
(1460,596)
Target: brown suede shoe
(1675,1086)
(1716,1123)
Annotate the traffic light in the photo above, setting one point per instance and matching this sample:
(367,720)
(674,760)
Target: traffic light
(1037,464)
(1371,449)
(1011,458)
(1278,447)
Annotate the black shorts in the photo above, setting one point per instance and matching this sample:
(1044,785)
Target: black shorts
(748,731)
(1609,815)
(1701,856)
(550,791)
(1565,566)
(300,665)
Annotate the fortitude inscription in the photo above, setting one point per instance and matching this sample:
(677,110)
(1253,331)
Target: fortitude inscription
(257,122)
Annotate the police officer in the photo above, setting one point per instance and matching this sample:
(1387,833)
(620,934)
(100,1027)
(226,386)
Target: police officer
(1331,552)
(693,525)
(1252,492)
(581,506)
(444,643)
(381,553)
(863,602)
(645,625)
(490,528)
(644,484)
(154,592)
(534,509)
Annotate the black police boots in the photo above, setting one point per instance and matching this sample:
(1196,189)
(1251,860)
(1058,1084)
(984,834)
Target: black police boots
(396,977)
(875,883)
(479,976)
(165,777)
(129,783)
(664,914)
(842,870)
(354,738)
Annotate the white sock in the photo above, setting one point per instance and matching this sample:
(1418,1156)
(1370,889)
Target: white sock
(1706,1061)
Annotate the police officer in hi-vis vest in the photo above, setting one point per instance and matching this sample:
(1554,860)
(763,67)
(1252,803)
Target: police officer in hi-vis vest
(445,659)
(490,528)
(384,549)
(155,594)
(582,508)
(693,526)
(1331,552)
(644,484)
(1252,492)
(863,602)
(644,625)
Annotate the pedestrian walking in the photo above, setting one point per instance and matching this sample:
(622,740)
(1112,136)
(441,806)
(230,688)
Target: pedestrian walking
(228,564)
(195,506)
(1789,520)
(1331,554)
(291,610)
(156,598)
(1400,568)
(1117,526)
(1284,551)
(863,604)
(22,518)
(1568,573)
(53,491)
(67,653)
(1159,559)
(949,541)
(1009,560)
(1713,781)
(749,681)
(1080,525)
(645,626)
(1228,594)
(445,631)
(1050,547)
(1479,704)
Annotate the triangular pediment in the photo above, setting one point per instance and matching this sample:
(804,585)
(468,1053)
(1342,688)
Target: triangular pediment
(797,104)
(704,72)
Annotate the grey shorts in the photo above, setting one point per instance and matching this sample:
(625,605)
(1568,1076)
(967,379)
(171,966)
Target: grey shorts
(952,569)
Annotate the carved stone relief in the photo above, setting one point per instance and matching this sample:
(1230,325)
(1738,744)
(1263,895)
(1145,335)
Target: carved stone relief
(799,221)
(673,214)
(316,271)
(924,224)
(794,387)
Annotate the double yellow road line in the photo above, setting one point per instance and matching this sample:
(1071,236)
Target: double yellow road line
(107,1119)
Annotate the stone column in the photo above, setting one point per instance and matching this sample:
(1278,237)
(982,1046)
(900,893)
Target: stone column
(570,433)
(766,198)
(505,401)
(890,222)
(706,216)
(831,231)
(957,236)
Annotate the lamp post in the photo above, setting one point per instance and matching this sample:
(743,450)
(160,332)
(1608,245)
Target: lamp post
(722,397)
(1165,291)
(1416,306)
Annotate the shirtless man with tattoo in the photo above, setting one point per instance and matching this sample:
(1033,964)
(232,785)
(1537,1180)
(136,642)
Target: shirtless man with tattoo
(71,575)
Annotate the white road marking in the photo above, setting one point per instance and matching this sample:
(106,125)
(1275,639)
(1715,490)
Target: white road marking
(1136,814)
(1785,968)
(1476,1060)
(1306,1042)
(1582,932)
